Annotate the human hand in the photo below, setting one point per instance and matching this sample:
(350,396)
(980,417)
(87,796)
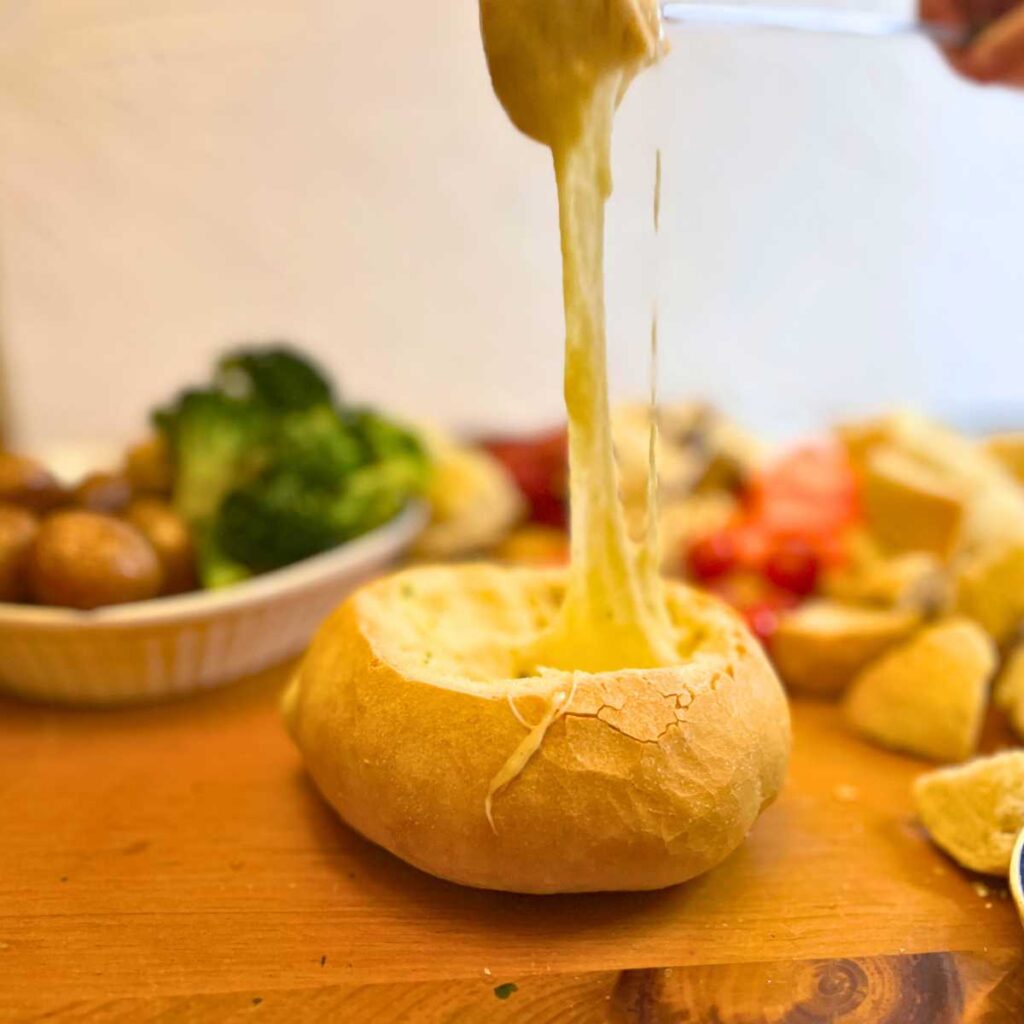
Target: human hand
(995,52)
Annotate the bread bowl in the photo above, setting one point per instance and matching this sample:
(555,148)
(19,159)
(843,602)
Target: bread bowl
(423,727)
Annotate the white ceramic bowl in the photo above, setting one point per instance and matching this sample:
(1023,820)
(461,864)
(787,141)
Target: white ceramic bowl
(172,645)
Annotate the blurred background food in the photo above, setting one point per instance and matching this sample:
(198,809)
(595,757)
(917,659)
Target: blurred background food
(883,558)
(259,468)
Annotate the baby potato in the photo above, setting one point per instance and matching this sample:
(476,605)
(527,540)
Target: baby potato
(148,468)
(170,538)
(86,560)
(103,492)
(26,482)
(18,529)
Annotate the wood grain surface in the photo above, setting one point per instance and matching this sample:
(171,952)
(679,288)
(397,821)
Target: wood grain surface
(174,863)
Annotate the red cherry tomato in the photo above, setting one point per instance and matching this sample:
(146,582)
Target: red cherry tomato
(539,466)
(811,489)
(793,566)
(711,557)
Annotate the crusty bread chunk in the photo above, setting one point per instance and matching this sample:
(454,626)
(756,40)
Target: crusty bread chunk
(927,696)
(1008,449)
(909,506)
(993,500)
(822,645)
(990,589)
(915,579)
(975,811)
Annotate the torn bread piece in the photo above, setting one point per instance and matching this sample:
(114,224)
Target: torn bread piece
(989,588)
(822,645)
(927,696)
(975,811)
(916,580)
(1008,450)
(993,499)
(909,506)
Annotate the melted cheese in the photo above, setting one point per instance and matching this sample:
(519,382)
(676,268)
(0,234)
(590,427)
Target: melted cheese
(560,68)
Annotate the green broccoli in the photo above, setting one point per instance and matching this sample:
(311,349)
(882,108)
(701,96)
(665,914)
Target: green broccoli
(382,438)
(216,568)
(217,443)
(268,470)
(317,446)
(279,519)
(278,376)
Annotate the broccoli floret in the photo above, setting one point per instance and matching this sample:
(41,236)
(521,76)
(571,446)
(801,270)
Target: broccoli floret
(279,519)
(383,438)
(278,376)
(318,447)
(217,443)
(376,493)
(216,568)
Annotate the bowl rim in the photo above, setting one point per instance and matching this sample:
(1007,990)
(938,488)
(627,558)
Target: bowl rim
(1017,874)
(390,538)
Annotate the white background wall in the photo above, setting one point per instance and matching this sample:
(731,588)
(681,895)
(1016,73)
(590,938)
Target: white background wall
(844,221)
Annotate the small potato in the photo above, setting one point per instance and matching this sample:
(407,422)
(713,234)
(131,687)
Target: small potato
(28,483)
(18,529)
(86,560)
(170,538)
(103,492)
(148,468)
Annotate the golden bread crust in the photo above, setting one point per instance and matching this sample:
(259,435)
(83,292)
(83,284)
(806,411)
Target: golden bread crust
(648,778)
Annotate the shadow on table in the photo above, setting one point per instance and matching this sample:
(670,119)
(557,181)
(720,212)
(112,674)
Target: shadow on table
(386,879)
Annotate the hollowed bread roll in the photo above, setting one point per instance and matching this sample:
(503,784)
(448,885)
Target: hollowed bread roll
(421,725)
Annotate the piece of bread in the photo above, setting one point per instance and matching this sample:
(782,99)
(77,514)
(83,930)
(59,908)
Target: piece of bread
(544,56)
(975,811)
(1008,449)
(989,588)
(908,506)
(820,646)
(993,499)
(915,580)
(415,727)
(927,696)
(1009,691)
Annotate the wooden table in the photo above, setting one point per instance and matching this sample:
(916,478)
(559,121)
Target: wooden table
(174,863)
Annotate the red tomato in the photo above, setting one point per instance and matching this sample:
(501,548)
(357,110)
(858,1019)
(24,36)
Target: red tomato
(810,488)
(794,566)
(712,556)
(794,522)
(539,466)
